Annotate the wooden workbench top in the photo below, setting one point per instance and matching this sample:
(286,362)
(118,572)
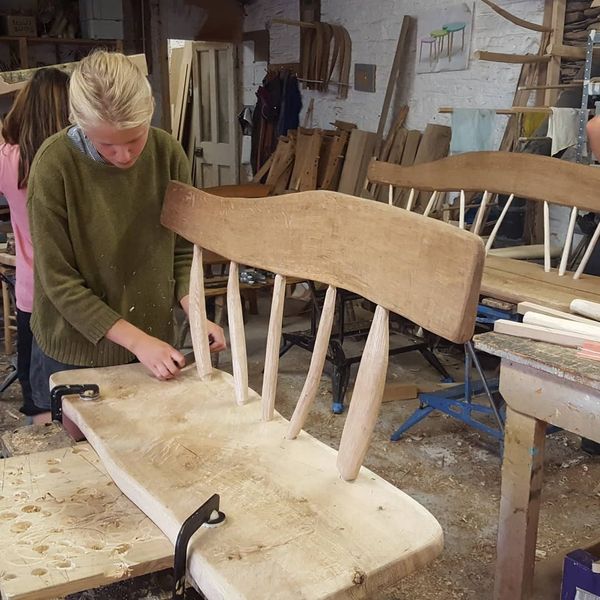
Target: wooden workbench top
(550,358)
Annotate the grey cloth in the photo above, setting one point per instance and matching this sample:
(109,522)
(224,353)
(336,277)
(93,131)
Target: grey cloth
(82,143)
(472,130)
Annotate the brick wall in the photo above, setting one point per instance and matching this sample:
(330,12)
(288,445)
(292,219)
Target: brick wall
(374,29)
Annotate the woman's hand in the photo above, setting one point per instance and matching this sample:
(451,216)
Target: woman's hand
(216,337)
(160,358)
(163,361)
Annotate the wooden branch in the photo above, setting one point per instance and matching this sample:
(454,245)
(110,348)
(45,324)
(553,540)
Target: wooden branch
(197,316)
(558,86)
(516,20)
(366,398)
(519,59)
(317,361)
(269,387)
(237,335)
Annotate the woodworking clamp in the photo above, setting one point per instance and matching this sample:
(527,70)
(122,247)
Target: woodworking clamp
(208,515)
(86,391)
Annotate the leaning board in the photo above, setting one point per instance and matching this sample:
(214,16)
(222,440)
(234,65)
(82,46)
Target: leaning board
(294,529)
(66,527)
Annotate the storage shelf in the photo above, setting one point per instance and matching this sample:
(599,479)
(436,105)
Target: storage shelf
(25,42)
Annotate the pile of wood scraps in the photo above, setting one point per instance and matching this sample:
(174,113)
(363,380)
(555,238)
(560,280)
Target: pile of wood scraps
(579,328)
(325,53)
(307,159)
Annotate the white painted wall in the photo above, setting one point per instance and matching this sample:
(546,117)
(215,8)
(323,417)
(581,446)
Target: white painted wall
(374,27)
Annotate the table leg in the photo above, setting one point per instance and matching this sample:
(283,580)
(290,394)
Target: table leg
(522,472)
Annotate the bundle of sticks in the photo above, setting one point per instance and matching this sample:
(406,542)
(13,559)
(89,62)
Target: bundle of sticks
(579,328)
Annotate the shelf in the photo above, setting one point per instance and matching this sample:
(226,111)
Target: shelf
(50,40)
(25,42)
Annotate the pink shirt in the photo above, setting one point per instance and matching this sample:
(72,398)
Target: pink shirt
(17,201)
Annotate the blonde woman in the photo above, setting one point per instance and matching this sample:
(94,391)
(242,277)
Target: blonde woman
(107,274)
(40,110)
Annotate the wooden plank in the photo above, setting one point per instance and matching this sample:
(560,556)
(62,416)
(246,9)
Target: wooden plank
(517,288)
(305,171)
(525,175)
(522,474)
(288,513)
(524,252)
(359,153)
(514,19)
(330,169)
(589,284)
(283,246)
(66,527)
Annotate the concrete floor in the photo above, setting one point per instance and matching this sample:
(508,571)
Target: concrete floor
(452,470)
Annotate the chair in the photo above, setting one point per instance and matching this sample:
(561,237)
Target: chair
(294,528)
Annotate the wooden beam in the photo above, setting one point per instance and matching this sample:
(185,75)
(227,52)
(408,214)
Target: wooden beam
(541,334)
(516,20)
(511,58)
(553,68)
(515,110)
(569,52)
(160,62)
(407,23)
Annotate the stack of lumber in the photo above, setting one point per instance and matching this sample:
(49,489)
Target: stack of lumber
(579,328)
(307,159)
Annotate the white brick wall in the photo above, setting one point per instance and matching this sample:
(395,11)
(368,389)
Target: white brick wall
(374,27)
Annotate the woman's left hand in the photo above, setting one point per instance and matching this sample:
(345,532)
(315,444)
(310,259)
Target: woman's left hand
(216,337)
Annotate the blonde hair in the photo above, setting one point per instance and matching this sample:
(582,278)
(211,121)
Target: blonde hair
(106,87)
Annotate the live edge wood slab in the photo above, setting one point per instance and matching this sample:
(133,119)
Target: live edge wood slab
(294,529)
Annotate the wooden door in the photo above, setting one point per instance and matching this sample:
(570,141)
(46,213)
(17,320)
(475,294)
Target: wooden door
(216,148)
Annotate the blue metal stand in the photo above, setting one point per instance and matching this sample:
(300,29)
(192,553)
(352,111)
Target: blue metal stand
(457,402)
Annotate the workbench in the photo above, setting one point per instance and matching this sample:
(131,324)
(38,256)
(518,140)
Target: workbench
(542,384)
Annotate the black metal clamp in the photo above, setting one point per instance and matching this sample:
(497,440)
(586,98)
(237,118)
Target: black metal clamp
(208,515)
(86,391)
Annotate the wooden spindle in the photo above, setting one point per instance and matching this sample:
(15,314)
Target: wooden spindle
(317,361)
(492,237)
(197,316)
(430,204)
(411,199)
(366,398)
(564,259)
(269,387)
(546,237)
(391,195)
(461,210)
(237,335)
(588,253)
(481,213)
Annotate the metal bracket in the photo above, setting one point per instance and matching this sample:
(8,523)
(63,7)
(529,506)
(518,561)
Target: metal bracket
(208,515)
(86,391)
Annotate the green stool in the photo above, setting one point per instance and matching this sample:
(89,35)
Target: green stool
(451,29)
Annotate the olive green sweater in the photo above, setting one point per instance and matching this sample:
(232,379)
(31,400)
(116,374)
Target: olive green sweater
(101,253)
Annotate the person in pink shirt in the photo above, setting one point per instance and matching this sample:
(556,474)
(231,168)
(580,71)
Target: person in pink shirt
(40,110)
